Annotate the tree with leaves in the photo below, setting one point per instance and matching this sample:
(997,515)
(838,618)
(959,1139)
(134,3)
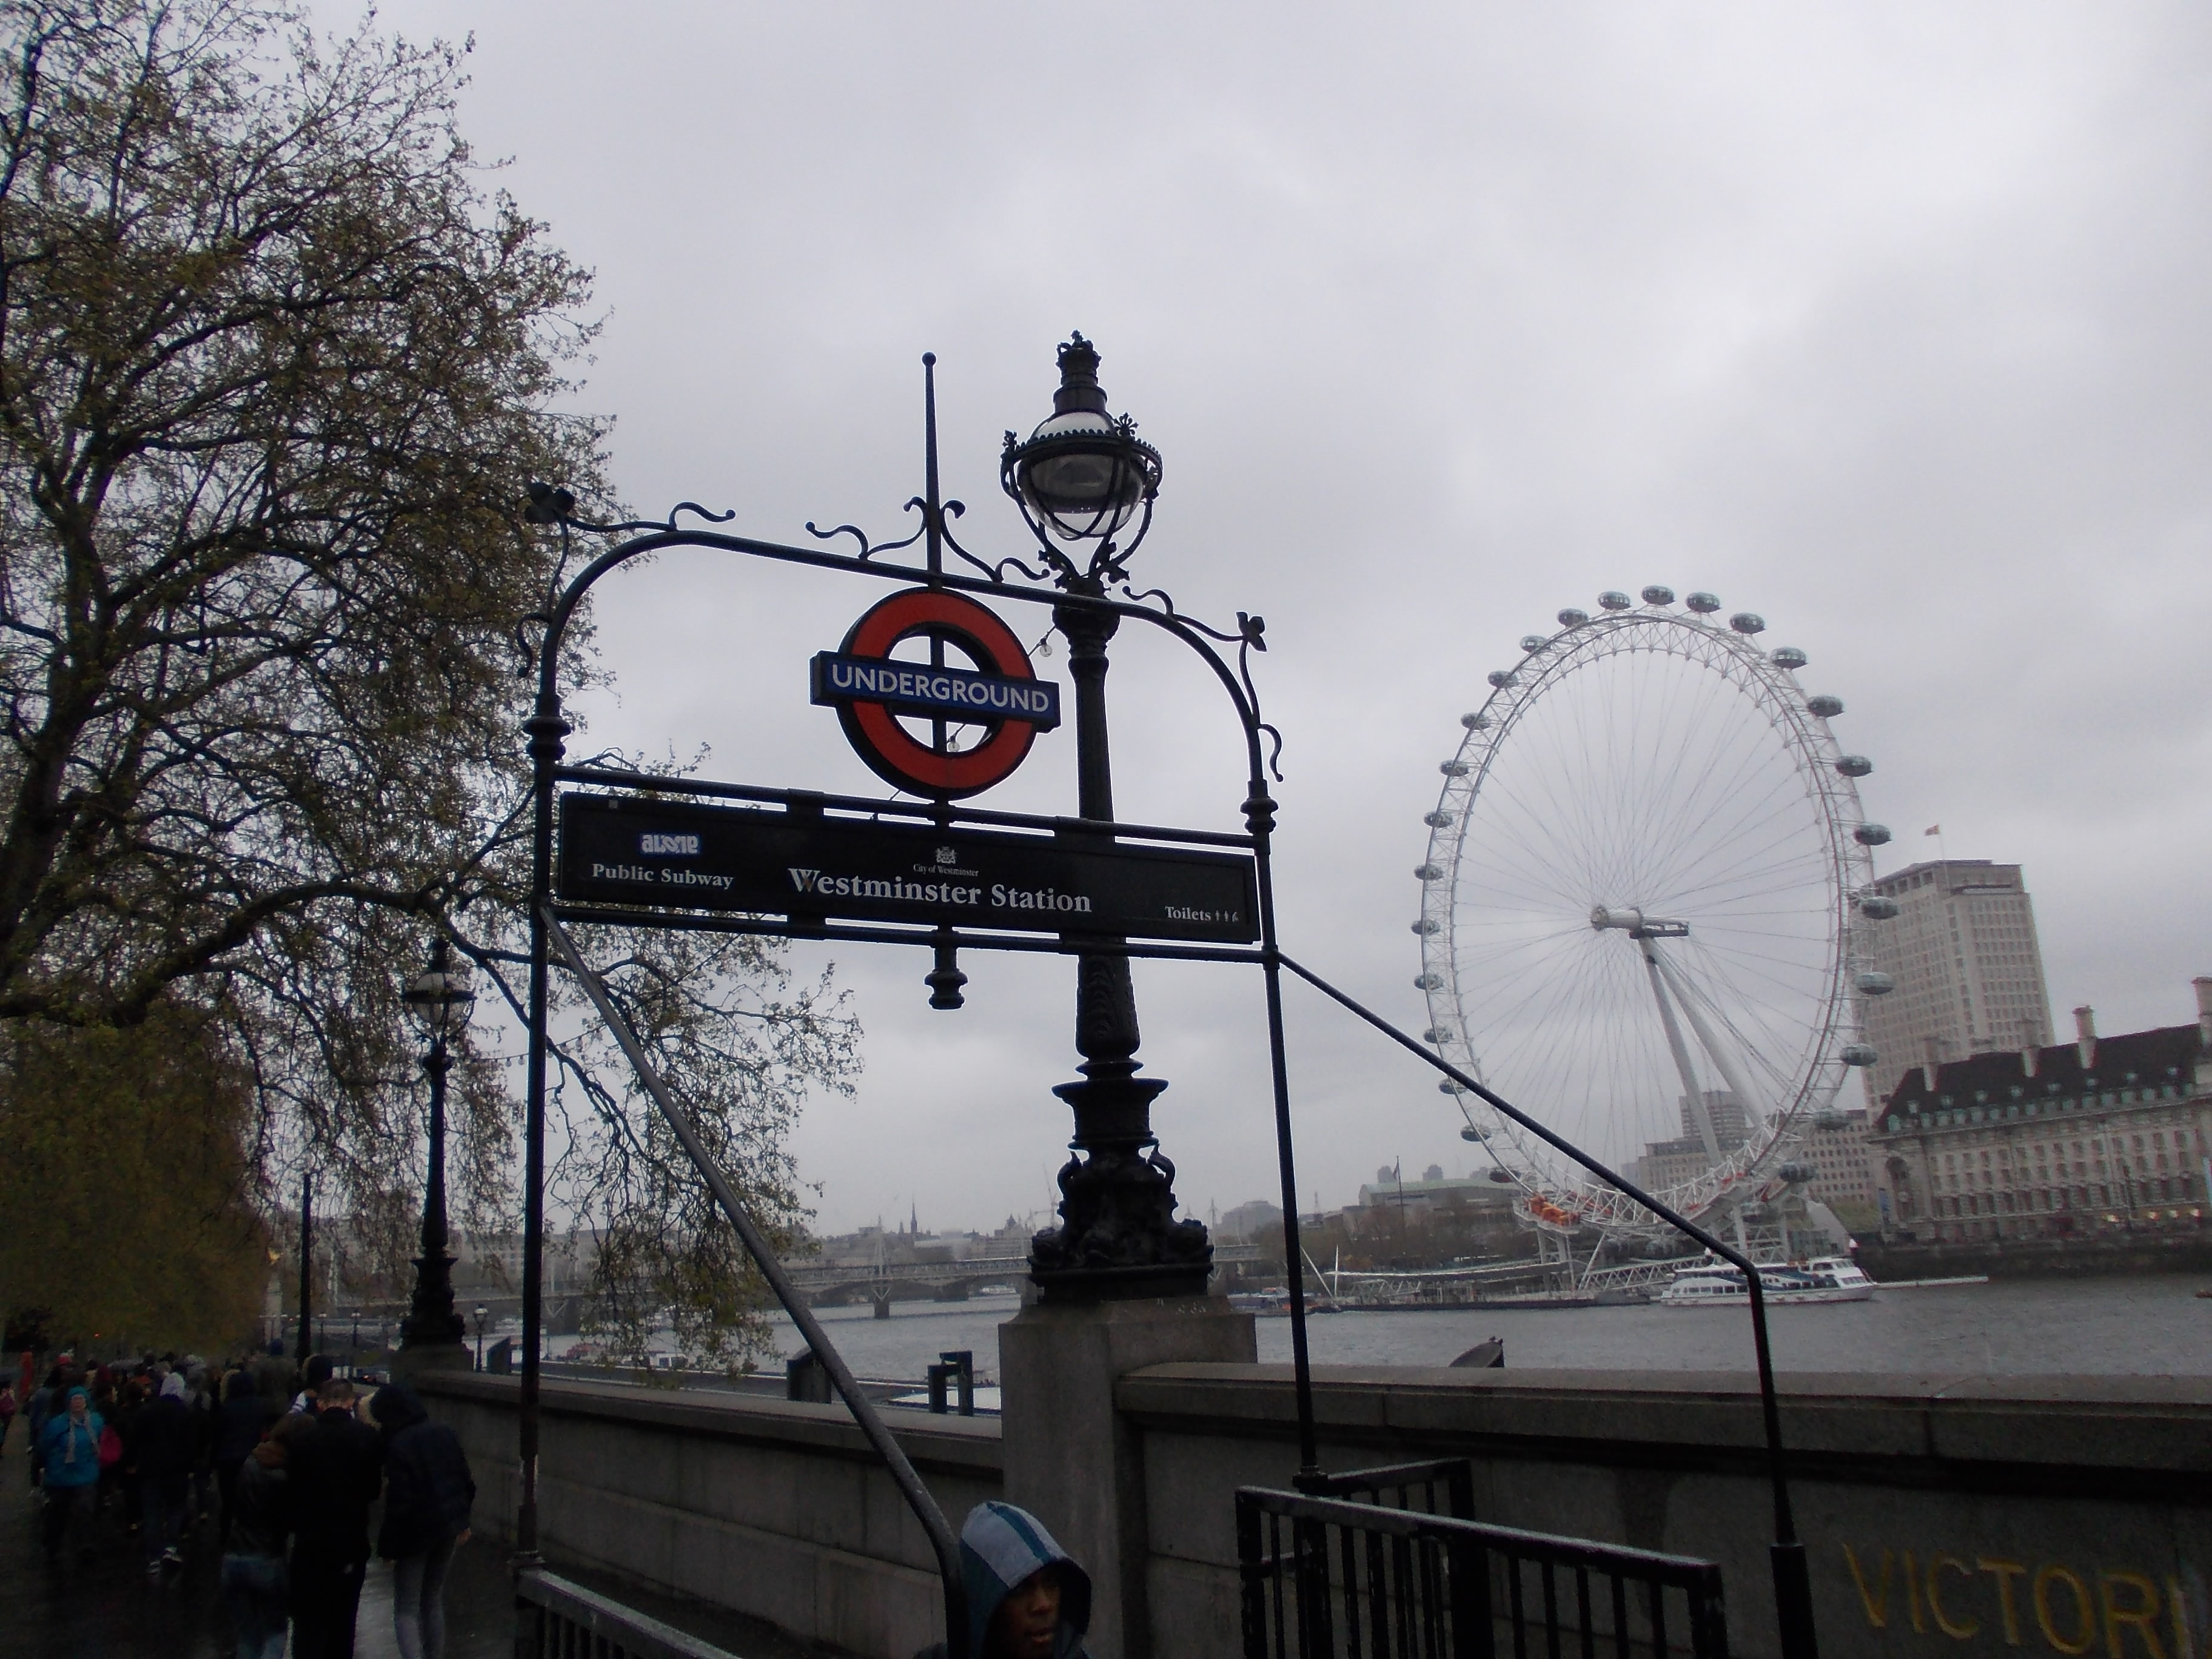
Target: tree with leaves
(275,365)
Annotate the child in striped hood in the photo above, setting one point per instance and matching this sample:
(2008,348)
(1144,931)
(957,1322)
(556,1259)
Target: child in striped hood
(1026,1597)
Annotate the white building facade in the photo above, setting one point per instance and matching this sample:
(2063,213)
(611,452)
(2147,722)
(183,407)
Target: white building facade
(1969,970)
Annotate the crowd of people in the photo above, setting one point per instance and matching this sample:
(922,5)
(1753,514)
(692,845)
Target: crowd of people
(269,1473)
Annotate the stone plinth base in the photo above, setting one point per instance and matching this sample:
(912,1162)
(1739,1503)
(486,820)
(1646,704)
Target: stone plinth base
(433,1356)
(1072,1461)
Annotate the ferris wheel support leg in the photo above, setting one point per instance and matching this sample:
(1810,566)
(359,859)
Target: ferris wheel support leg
(1693,1096)
(1722,1061)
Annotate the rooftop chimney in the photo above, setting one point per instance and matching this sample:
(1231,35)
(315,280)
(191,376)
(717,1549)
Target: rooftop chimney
(2204,983)
(2031,1051)
(1930,1059)
(2085,1035)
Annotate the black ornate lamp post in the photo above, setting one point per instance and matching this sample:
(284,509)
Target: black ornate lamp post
(304,1344)
(441,998)
(1081,477)
(481,1312)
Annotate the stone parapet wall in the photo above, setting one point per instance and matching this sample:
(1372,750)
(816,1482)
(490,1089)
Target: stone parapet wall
(776,1508)
(2005,1518)
(2060,1515)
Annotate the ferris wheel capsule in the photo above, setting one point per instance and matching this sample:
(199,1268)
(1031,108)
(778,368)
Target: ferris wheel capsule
(1534,641)
(1747,621)
(1787,656)
(1477,721)
(1571,617)
(1875,907)
(1825,707)
(1858,1053)
(1614,599)
(1502,677)
(1854,766)
(1704,604)
(1874,982)
(1871,834)
(1658,594)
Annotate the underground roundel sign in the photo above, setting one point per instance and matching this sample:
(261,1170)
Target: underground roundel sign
(871,689)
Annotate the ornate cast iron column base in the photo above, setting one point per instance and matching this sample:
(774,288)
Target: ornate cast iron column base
(1118,1237)
(431,1321)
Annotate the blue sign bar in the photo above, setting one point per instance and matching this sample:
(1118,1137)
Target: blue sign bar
(952,694)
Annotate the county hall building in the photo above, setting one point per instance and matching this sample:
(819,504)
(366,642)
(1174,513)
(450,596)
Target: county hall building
(2094,1136)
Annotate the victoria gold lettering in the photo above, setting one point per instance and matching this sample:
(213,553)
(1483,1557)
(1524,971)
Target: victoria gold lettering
(2132,1615)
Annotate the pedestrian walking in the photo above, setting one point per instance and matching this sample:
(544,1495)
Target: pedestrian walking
(68,1448)
(122,1482)
(335,1472)
(427,1495)
(46,1401)
(165,1451)
(237,1431)
(256,1584)
(274,1380)
(319,1369)
(8,1410)
(199,1400)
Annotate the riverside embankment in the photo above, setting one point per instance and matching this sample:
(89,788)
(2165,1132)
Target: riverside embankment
(1958,1515)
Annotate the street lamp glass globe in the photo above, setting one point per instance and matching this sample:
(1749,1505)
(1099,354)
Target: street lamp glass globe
(440,997)
(1082,474)
(1079,476)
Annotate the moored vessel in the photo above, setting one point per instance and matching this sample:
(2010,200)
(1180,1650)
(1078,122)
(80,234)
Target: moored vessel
(1712,1283)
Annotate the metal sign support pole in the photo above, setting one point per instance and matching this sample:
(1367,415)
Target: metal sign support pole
(1792,1584)
(941,1538)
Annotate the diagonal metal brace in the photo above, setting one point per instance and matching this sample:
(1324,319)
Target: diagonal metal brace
(917,1496)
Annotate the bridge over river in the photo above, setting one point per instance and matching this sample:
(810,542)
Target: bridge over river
(954,1282)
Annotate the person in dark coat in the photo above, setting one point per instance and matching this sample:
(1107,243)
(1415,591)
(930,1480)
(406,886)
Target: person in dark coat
(428,1494)
(46,1403)
(165,1447)
(258,1512)
(237,1425)
(335,1470)
(274,1378)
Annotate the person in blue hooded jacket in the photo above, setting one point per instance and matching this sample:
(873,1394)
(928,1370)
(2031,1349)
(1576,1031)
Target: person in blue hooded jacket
(69,1449)
(1027,1599)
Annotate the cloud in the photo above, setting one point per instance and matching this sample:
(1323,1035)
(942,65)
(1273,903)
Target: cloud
(1886,322)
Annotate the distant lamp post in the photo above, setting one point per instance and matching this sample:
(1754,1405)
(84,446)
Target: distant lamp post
(1083,477)
(440,998)
(306,1259)
(482,1313)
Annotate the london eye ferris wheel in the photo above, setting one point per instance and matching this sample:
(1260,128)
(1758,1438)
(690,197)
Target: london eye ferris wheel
(1642,909)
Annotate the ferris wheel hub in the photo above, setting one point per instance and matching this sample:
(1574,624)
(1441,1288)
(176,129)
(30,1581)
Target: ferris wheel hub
(1636,924)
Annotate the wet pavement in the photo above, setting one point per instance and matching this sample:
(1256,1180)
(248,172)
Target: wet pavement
(110,1607)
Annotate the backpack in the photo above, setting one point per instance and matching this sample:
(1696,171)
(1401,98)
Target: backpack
(111,1447)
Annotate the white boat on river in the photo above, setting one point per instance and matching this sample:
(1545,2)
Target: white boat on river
(1712,1283)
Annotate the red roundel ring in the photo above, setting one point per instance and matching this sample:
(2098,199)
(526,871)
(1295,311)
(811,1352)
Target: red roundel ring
(882,743)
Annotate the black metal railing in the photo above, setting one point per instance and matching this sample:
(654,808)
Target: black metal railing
(1443,1485)
(1326,1579)
(561,1620)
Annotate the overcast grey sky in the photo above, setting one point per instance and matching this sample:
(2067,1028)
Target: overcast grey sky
(1889,321)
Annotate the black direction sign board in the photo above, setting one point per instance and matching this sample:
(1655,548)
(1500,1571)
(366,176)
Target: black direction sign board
(636,851)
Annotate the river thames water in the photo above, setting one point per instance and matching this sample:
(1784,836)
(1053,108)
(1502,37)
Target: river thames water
(2125,1326)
